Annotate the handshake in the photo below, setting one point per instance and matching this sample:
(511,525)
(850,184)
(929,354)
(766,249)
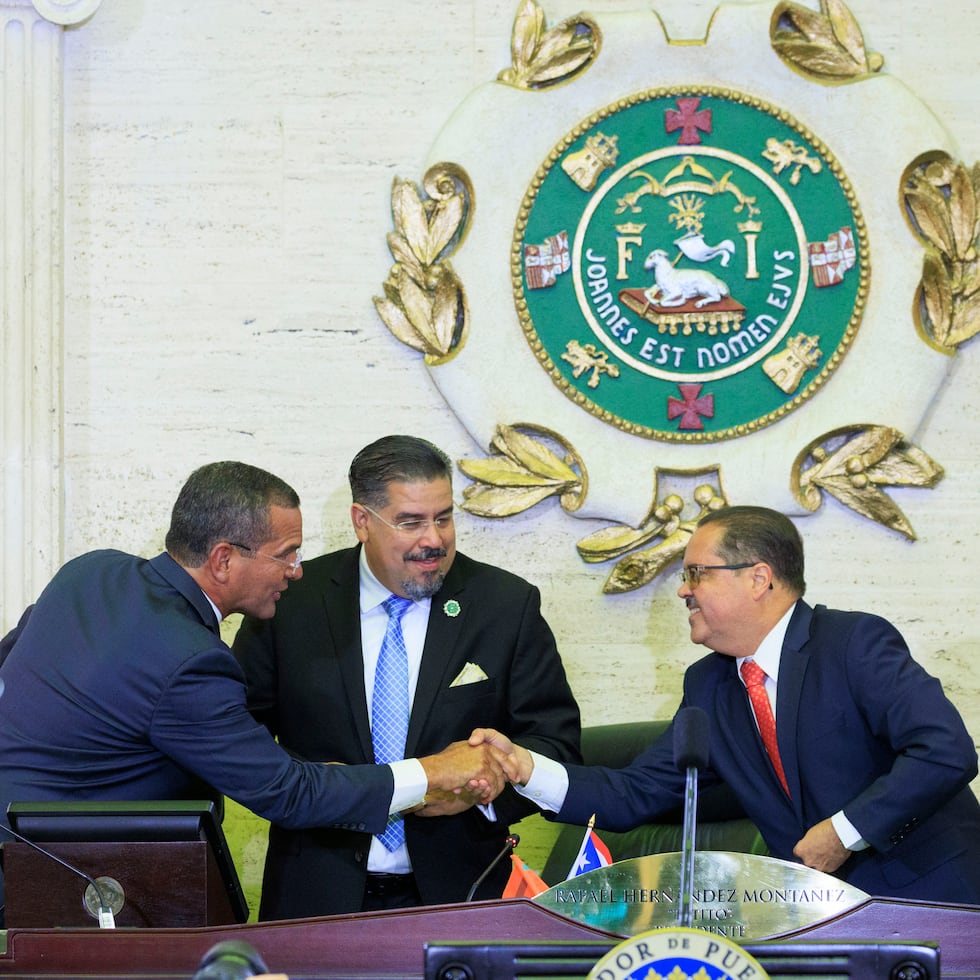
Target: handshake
(473,772)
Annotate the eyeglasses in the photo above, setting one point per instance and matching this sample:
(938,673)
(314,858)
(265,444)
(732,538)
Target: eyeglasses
(691,574)
(293,565)
(414,527)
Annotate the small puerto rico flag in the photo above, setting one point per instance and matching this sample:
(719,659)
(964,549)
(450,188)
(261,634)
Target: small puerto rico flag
(592,854)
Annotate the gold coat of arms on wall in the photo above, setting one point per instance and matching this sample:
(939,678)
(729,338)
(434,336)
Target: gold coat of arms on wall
(734,271)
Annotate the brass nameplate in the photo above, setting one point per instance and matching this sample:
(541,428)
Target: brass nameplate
(739,896)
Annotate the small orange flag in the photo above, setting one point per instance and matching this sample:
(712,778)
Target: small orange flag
(523,882)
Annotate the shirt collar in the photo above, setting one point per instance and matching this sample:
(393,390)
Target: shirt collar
(771,648)
(217,611)
(372,592)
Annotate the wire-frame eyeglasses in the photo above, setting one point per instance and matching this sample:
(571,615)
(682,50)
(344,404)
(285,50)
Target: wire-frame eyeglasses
(293,565)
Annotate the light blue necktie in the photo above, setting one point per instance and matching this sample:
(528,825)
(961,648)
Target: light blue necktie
(389,704)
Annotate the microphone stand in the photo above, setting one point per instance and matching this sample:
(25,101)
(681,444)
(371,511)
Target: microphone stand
(691,746)
(684,916)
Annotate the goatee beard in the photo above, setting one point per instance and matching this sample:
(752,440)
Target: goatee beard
(432,581)
(416,590)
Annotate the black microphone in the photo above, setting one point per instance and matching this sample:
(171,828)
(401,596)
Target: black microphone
(230,959)
(511,841)
(100,886)
(691,739)
(690,754)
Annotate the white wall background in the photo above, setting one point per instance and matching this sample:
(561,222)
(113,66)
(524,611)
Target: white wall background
(228,171)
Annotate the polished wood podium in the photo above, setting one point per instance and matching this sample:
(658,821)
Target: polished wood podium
(390,945)
(165,883)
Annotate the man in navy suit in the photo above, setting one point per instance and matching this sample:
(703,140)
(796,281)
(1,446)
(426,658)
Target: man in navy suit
(118,686)
(479,653)
(876,761)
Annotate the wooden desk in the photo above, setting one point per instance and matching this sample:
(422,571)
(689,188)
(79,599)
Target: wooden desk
(389,945)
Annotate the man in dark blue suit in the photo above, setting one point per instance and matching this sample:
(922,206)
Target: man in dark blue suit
(869,778)
(118,686)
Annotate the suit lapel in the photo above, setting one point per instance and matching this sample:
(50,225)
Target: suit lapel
(180,580)
(735,722)
(342,624)
(447,616)
(793,663)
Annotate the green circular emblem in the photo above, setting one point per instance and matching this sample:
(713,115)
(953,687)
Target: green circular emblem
(690,264)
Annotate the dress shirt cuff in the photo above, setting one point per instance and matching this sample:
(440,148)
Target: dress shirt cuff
(410,785)
(548,784)
(847,832)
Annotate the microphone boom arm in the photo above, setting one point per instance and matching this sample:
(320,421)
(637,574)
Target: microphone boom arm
(510,843)
(105,916)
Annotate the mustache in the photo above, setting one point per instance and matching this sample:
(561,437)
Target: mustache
(425,554)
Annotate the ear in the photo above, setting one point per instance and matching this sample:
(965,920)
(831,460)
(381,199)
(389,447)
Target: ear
(218,565)
(359,518)
(762,578)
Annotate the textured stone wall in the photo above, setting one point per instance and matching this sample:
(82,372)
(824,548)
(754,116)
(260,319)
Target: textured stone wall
(227,174)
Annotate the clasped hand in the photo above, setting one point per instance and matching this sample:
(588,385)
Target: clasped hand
(515,761)
(474,772)
(461,775)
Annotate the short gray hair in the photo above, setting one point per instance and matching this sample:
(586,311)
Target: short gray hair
(224,501)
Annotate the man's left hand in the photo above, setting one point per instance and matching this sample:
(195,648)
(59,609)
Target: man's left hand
(821,848)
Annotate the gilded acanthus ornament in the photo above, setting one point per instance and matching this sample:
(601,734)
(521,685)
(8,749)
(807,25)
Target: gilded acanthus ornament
(853,463)
(825,47)
(521,472)
(543,57)
(424,304)
(664,522)
(942,205)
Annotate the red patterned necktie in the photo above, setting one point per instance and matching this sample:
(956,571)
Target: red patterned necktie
(755,682)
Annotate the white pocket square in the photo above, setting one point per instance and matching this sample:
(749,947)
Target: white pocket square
(470,674)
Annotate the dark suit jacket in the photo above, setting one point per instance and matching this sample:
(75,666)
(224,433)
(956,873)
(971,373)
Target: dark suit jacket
(118,687)
(306,682)
(861,727)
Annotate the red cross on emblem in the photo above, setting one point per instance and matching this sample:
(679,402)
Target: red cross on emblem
(688,119)
(691,408)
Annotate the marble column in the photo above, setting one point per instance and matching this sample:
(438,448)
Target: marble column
(32,293)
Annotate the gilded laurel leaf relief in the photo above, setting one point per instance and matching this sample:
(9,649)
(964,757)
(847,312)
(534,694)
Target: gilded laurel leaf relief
(854,463)
(664,522)
(424,303)
(942,205)
(542,57)
(521,471)
(826,47)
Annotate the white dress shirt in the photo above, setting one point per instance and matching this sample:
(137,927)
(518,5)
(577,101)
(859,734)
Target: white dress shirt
(410,779)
